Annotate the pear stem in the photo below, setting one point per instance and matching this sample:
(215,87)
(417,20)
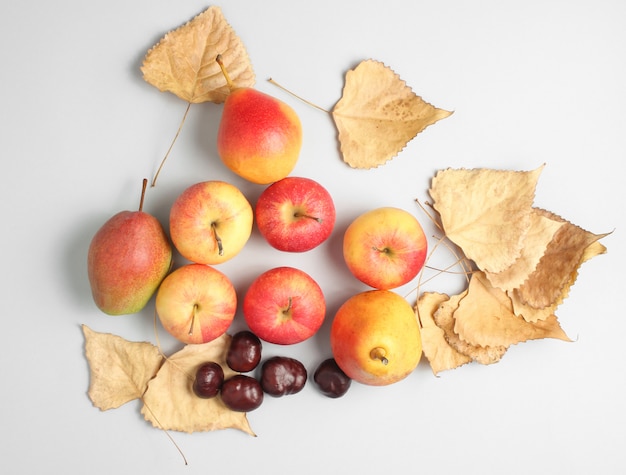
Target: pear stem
(270,80)
(219,61)
(379,353)
(302,215)
(220,247)
(143,193)
(167,154)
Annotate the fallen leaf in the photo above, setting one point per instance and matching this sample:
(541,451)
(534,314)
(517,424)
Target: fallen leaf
(444,318)
(536,240)
(440,355)
(485,318)
(486,212)
(184,63)
(170,403)
(378,114)
(119,369)
(555,269)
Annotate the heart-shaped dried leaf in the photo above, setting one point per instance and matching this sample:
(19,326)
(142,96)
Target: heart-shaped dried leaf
(485,318)
(539,235)
(437,350)
(183,61)
(555,269)
(486,212)
(444,319)
(119,369)
(378,114)
(171,404)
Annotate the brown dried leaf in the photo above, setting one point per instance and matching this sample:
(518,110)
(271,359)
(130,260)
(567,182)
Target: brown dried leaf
(378,114)
(437,350)
(119,369)
(485,318)
(183,61)
(444,318)
(556,268)
(486,212)
(539,235)
(170,403)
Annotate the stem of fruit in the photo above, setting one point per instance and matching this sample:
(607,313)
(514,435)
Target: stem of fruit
(219,61)
(384,249)
(193,318)
(167,154)
(288,309)
(270,80)
(143,193)
(218,240)
(379,353)
(302,215)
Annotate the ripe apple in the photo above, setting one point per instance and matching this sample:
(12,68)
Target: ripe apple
(375,338)
(210,222)
(196,303)
(284,305)
(259,137)
(385,247)
(128,258)
(295,214)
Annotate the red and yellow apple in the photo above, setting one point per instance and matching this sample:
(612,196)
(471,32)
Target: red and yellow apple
(375,338)
(196,303)
(385,247)
(295,214)
(284,305)
(210,222)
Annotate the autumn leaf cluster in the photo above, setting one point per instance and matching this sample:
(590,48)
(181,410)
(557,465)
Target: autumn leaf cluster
(522,262)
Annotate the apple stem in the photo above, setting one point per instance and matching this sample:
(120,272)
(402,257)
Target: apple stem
(143,193)
(384,249)
(193,318)
(289,302)
(379,353)
(219,61)
(220,247)
(302,215)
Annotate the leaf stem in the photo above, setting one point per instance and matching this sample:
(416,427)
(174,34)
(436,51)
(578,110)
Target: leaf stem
(270,80)
(180,127)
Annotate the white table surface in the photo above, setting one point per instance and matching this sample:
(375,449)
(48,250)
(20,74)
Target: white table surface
(530,82)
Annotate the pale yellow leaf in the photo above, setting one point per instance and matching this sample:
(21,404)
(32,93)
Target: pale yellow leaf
(171,404)
(378,114)
(486,212)
(119,369)
(184,63)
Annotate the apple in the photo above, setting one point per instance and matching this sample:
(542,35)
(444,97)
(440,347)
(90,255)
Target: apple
(385,247)
(295,214)
(284,305)
(375,338)
(210,222)
(196,303)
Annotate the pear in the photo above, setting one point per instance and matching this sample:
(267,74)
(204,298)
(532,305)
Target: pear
(128,258)
(259,137)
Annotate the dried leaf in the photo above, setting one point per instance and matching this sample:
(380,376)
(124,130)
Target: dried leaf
(486,212)
(555,269)
(437,350)
(170,404)
(539,235)
(444,318)
(485,318)
(183,61)
(119,369)
(378,114)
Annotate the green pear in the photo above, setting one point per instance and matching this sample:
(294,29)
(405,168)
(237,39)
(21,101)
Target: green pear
(128,258)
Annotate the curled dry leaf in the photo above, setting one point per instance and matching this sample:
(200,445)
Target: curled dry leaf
(486,212)
(378,114)
(437,350)
(119,369)
(183,61)
(170,403)
(485,318)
